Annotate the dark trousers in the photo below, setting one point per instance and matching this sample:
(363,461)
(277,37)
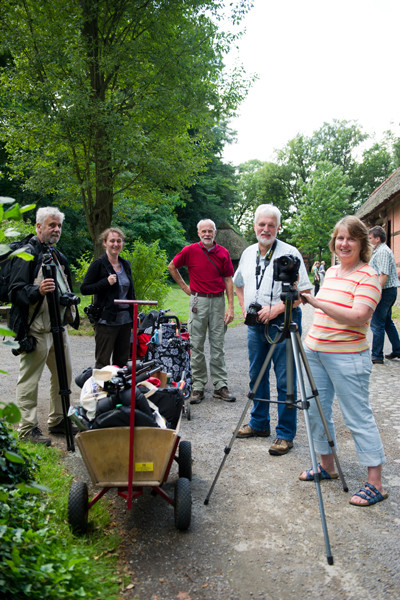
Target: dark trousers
(115,341)
(382,323)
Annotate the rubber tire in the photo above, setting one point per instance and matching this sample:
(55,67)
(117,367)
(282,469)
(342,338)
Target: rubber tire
(78,507)
(187,411)
(185,460)
(183,504)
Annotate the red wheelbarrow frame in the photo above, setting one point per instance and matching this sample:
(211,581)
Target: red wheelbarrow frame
(110,474)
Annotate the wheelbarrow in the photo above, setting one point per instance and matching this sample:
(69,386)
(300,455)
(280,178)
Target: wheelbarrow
(131,459)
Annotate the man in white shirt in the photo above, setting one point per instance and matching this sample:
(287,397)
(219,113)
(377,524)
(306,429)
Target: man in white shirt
(254,283)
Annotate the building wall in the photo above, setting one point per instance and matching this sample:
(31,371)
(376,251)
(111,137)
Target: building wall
(388,216)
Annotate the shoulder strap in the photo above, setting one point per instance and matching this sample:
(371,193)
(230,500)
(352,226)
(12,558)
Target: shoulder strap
(211,261)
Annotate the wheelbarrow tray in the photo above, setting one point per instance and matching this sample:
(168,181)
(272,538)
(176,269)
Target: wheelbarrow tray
(105,453)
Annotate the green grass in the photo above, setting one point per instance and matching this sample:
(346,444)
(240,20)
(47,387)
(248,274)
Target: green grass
(178,303)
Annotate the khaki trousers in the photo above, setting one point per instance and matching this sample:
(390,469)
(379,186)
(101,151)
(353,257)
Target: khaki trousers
(30,372)
(209,317)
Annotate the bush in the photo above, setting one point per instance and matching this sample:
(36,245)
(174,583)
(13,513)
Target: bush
(15,465)
(149,266)
(36,562)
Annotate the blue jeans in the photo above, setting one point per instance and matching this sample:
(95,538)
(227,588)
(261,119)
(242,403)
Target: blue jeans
(347,377)
(258,347)
(381,322)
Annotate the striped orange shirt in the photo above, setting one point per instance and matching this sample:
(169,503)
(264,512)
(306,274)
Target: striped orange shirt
(327,335)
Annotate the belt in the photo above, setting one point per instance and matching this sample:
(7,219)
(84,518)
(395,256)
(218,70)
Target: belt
(200,295)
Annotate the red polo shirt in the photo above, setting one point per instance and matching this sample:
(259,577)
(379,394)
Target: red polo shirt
(204,276)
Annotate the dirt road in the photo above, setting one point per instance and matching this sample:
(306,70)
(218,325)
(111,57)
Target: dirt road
(261,534)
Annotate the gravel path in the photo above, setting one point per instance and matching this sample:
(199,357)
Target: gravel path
(261,535)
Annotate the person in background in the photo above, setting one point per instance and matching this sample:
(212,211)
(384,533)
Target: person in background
(321,272)
(337,351)
(210,273)
(109,278)
(316,277)
(254,283)
(385,265)
(30,319)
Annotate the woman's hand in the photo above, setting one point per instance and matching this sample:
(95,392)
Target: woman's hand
(112,279)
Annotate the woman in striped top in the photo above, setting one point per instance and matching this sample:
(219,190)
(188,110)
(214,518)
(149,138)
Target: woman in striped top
(338,354)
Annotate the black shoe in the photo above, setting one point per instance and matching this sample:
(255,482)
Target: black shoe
(59,429)
(196,397)
(37,437)
(392,355)
(377,361)
(224,394)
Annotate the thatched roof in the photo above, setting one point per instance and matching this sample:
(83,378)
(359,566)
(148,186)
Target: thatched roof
(231,240)
(382,195)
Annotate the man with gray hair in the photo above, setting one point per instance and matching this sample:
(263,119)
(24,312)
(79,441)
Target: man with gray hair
(383,262)
(210,273)
(30,319)
(255,285)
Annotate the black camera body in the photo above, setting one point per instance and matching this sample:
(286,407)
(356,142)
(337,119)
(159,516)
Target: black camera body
(251,315)
(69,299)
(93,312)
(27,345)
(286,268)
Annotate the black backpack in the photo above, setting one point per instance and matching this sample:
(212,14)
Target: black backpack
(5,264)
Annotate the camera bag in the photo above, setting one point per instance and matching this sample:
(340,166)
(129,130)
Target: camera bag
(120,417)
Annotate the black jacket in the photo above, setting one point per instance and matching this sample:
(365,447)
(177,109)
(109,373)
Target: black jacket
(96,284)
(23,292)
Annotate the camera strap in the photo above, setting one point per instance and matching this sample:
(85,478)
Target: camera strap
(62,279)
(266,264)
(211,261)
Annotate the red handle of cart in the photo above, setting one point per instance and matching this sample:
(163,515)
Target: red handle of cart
(135,304)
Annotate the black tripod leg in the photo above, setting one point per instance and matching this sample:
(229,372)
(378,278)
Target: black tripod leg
(58,341)
(296,342)
(314,392)
(228,448)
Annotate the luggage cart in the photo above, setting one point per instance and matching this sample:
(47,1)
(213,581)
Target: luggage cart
(130,459)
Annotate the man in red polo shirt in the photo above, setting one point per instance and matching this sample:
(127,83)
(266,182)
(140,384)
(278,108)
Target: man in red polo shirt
(210,272)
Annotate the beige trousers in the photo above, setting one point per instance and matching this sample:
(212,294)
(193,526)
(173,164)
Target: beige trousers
(30,372)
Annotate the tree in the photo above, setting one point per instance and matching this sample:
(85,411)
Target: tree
(111,99)
(214,191)
(377,164)
(325,199)
(151,224)
(261,183)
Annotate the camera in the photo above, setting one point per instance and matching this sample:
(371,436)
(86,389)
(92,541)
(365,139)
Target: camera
(93,312)
(251,315)
(286,268)
(27,344)
(69,299)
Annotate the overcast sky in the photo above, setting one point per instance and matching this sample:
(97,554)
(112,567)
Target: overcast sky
(317,60)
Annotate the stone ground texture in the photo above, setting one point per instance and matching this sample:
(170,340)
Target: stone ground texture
(260,535)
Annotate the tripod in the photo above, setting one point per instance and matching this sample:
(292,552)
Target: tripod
(294,351)
(50,271)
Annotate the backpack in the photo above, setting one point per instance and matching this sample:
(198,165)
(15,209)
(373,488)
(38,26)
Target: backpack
(15,249)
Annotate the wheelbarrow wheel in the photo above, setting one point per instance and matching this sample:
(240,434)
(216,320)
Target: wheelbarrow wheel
(185,460)
(183,504)
(78,507)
